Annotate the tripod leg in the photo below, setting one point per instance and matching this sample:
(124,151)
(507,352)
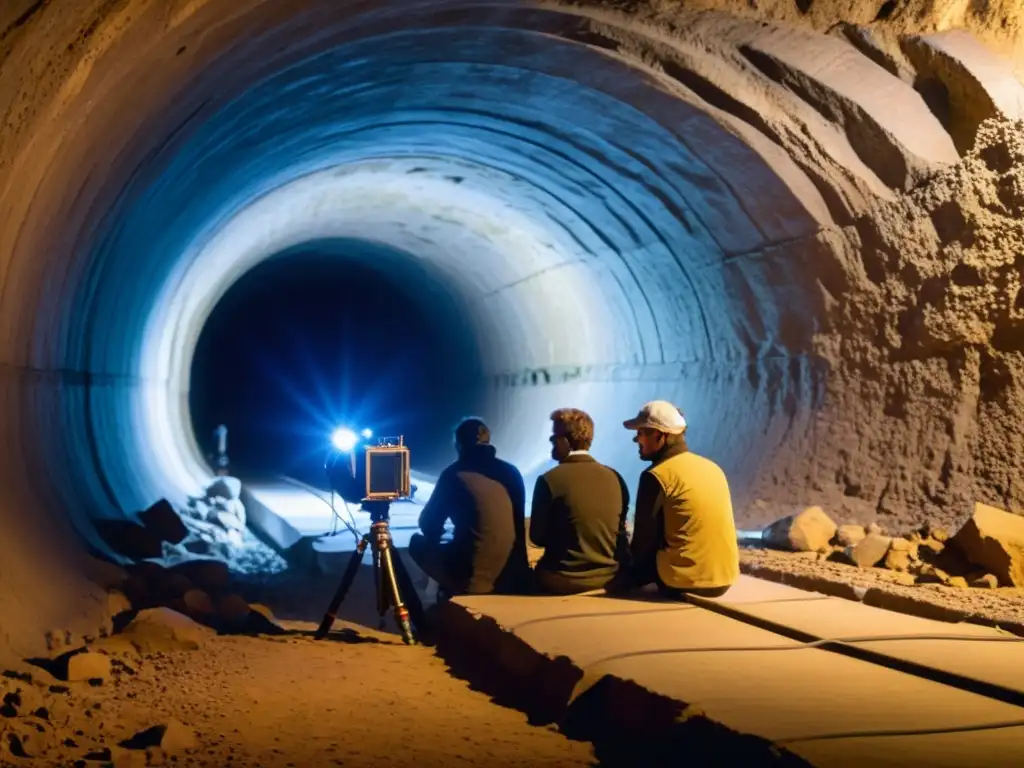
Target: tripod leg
(401,614)
(346,582)
(380,588)
(408,589)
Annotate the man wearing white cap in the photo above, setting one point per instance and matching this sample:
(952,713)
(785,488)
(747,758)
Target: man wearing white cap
(684,534)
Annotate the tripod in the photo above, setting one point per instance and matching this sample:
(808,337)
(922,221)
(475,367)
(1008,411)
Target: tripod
(389,576)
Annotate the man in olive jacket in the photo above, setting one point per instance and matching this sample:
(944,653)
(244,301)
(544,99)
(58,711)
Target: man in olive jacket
(684,534)
(578,513)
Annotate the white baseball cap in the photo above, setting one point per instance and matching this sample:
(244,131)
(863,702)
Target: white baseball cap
(660,415)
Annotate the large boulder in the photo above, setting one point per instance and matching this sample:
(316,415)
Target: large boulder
(808,531)
(163,521)
(994,539)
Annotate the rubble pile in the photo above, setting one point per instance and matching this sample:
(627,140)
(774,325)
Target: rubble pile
(212,526)
(987,552)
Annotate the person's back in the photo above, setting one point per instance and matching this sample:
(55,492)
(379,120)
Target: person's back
(485,498)
(585,521)
(579,511)
(489,519)
(701,549)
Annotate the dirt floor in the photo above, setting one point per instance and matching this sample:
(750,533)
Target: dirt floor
(1002,606)
(362,699)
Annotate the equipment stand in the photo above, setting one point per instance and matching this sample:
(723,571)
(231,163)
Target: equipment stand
(389,576)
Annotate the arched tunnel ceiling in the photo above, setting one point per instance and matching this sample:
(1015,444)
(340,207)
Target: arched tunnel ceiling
(639,201)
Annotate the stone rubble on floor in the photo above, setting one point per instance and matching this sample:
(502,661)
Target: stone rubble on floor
(212,526)
(986,553)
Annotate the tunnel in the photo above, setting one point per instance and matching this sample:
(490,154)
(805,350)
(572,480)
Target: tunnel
(626,202)
(334,334)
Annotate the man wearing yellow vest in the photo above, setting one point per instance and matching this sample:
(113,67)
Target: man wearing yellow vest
(684,534)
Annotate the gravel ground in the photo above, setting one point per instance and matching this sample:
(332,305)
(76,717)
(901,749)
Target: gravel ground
(286,701)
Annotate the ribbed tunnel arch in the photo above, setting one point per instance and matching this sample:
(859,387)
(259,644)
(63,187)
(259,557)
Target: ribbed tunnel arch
(592,249)
(620,226)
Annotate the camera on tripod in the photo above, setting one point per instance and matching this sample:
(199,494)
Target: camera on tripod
(380,478)
(383,475)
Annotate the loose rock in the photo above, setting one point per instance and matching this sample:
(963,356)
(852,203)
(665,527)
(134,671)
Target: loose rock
(808,531)
(988,581)
(994,539)
(850,535)
(88,666)
(163,521)
(870,552)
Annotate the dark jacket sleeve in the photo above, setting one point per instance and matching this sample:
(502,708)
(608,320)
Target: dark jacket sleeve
(435,512)
(622,541)
(518,487)
(648,527)
(539,513)
(518,494)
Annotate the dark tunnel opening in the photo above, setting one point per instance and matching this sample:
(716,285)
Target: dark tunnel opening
(333,333)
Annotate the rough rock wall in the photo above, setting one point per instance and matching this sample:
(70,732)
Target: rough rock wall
(919,267)
(999,23)
(927,351)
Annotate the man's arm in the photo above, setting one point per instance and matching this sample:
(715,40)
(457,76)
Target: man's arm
(435,512)
(647,525)
(622,541)
(539,513)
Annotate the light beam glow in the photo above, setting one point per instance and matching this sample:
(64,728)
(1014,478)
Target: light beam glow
(344,439)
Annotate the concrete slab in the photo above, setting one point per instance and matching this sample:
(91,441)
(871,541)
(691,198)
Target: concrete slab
(748,590)
(992,657)
(793,695)
(825,707)
(999,747)
(514,612)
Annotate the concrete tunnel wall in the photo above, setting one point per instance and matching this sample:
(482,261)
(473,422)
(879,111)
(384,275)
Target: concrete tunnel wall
(629,213)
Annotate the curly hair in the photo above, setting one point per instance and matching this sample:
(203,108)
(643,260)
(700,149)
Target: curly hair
(576,425)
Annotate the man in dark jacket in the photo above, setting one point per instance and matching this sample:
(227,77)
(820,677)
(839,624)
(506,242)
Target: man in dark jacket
(579,512)
(485,498)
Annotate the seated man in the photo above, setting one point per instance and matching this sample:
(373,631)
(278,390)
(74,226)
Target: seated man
(485,498)
(579,512)
(684,534)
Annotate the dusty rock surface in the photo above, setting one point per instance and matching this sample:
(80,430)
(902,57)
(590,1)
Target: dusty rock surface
(927,363)
(288,701)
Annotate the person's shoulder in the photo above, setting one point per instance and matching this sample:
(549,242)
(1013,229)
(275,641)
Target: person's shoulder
(508,467)
(612,470)
(701,463)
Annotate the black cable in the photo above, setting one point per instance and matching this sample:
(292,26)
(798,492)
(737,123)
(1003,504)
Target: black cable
(910,732)
(599,614)
(917,669)
(799,646)
(351,527)
(673,609)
